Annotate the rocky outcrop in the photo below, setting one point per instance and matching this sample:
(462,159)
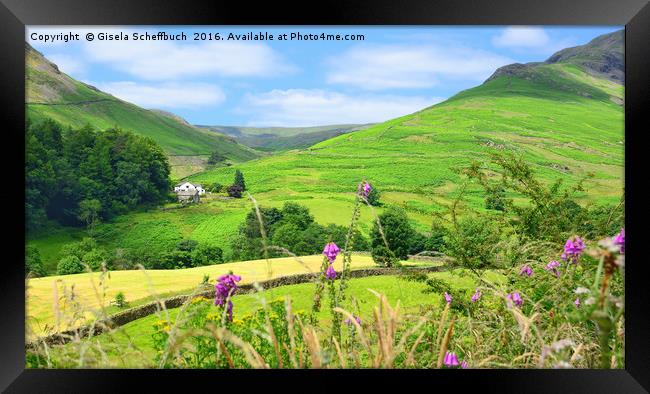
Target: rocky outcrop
(602,57)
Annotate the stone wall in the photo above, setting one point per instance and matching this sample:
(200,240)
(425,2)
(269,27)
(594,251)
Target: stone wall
(135,313)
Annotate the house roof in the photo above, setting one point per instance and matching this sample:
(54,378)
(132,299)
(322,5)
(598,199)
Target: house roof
(193,184)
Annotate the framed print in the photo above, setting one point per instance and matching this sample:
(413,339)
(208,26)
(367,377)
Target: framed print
(213,191)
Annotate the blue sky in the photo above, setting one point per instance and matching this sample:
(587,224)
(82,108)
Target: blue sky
(394,71)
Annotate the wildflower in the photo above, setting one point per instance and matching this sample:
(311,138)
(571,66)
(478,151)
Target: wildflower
(451,360)
(463,365)
(448,298)
(552,267)
(577,302)
(573,249)
(619,240)
(526,270)
(225,288)
(516,298)
(330,273)
(331,250)
(348,321)
(366,189)
(476,296)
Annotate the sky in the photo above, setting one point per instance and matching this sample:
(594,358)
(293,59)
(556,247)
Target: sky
(392,71)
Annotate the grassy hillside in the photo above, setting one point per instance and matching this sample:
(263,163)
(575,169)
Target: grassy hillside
(284,138)
(53,94)
(564,120)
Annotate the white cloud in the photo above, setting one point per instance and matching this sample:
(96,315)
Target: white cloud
(312,107)
(522,37)
(165,95)
(68,64)
(411,66)
(531,39)
(165,60)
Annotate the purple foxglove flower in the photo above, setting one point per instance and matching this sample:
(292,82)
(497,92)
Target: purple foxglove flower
(516,298)
(476,296)
(577,302)
(526,270)
(619,240)
(331,251)
(224,289)
(366,189)
(330,273)
(573,249)
(447,298)
(463,365)
(552,267)
(348,321)
(451,359)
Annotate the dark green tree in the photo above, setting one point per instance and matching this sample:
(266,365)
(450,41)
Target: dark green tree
(239,180)
(398,233)
(216,158)
(33,263)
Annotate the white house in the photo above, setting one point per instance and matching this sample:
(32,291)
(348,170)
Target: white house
(187,186)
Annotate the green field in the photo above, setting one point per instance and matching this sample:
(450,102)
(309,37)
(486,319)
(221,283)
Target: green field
(139,286)
(131,345)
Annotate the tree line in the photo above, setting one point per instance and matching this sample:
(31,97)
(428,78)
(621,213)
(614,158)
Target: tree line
(79,176)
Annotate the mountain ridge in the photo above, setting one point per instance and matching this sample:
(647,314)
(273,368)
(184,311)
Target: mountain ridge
(601,57)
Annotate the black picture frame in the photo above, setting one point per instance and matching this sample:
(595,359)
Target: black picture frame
(15,14)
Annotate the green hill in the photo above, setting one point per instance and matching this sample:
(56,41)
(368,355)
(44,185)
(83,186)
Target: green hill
(563,119)
(566,120)
(284,138)
(53,94)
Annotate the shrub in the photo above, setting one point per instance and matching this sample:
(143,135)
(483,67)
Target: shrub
(176,259)
(206,255)
(69,265)
(235,191)
(216,158)
(398,232)
(95,258)
(472,242)
(33,263)
(383,256)
(79,249)
(373,197)
(187,245)
(436,240)
(216,187)
(120,300)
(496,198)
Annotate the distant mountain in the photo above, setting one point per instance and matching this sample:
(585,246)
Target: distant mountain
(284,138)
(602,57)
(53,94)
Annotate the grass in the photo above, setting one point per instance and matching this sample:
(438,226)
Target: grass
(140,286)
(135,336)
